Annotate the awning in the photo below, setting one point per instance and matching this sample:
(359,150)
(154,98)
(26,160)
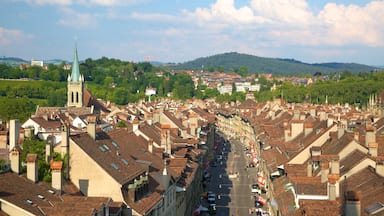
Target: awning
(261,180)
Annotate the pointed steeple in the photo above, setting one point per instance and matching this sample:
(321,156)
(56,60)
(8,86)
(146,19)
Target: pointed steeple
(75,75)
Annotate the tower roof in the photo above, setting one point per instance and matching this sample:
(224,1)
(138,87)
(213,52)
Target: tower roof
(75,75)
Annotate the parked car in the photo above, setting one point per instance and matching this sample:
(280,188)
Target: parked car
(255,188)
(219,158)
(211,197)
(213,164)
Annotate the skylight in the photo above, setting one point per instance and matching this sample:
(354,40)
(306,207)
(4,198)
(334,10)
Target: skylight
(115,166)
(124,161)
(102,148)
(29,202)
(115,144)
(106,147)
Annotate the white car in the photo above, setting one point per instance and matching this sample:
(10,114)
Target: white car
(255,188)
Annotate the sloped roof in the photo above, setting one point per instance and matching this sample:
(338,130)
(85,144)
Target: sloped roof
(173,119)
(17,190)
(369,183)
(106,157)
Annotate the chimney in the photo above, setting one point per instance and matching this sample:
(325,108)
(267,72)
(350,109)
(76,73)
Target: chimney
(150,145)
(149,121)
(324,170)
(15,160)
(49,147)
(356,135)
(91,127)
(352,205)
(308,128)
(135,124)
(370,135)
(32,173)
(322,116)
(193,123)
(14,133)
(287,133)
(380,168)
(333,186)
(64,139)
(168,147)
(340,130)
(372,149)
(56,167)
(335,164)
(297,127)
(164,135)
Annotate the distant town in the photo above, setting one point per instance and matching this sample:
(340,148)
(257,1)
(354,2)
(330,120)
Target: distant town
(204,143)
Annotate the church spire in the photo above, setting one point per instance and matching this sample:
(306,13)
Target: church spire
(75,75)
(75,92)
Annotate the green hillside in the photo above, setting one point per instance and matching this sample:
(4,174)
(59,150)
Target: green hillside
(232,61)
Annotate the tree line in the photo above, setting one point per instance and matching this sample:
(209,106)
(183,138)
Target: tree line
(124,82)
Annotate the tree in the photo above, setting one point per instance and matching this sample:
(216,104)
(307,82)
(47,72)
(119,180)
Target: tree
(243,71)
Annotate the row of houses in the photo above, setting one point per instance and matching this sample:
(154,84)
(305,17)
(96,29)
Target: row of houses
(318,160)
(151,166)
(138,159)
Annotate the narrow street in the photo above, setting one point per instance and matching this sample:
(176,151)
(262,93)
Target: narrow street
(231,179)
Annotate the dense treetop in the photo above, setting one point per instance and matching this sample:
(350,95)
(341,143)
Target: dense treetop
(233,61)
(123,82)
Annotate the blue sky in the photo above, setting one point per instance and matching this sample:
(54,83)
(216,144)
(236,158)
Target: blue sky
(312,31)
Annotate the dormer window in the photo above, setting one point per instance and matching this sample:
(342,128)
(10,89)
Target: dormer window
(315,165)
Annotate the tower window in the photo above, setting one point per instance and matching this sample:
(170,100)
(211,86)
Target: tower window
(72,97)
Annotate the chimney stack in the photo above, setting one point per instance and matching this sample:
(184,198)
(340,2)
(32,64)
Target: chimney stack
(15,160)
(135,125)
(32,173)
(64,139)
(150,145)
(333,186)
(49,148)
(370,135)
(14,133)
(352,205)
(372,149)
(340,130)
(164,135)
(380,168)
(91,127)
(56,167)
(324,170)
(335,164)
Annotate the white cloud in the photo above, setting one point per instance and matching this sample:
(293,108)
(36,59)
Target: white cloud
(291,22)
(78,20)
(10,37)
(224,12)
(283,11)
(353,24)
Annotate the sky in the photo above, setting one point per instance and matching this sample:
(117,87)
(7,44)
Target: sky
(311,31)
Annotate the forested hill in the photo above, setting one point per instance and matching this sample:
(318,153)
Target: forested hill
(233,60)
